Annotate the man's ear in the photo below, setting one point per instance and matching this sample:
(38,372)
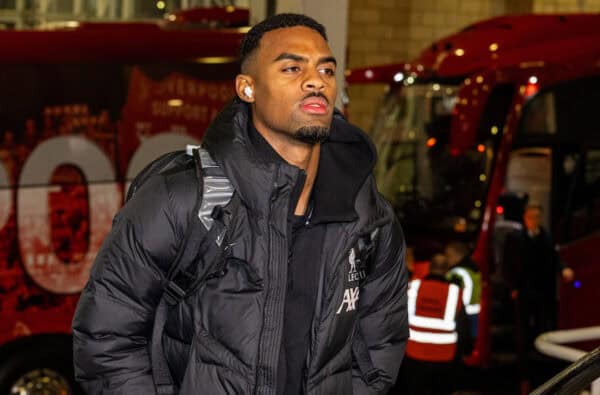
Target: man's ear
(244,87)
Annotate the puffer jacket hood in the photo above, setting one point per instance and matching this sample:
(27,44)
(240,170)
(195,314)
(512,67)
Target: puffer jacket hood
(228,141)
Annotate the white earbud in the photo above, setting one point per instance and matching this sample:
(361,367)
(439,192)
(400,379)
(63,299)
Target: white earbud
(248,92)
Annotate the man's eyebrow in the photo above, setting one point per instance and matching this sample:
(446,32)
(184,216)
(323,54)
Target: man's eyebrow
(290,56)
(327,59)
(298,58)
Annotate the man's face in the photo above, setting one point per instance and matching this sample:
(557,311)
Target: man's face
(532,218)
(452,256)
(294,86)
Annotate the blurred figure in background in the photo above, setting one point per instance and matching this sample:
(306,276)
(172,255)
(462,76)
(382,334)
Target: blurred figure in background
(537,269)
(507,233)
(466,275)
(438,327)
(535,292)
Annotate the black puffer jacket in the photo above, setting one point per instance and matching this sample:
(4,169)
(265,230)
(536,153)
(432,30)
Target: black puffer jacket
(229,329)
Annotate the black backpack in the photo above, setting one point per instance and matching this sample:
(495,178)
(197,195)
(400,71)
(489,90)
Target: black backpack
(214,192)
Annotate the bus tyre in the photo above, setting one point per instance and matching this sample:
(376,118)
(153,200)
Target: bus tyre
(38,369)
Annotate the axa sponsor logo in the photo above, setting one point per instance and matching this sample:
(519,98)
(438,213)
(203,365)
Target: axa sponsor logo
(351,296)
(355,274)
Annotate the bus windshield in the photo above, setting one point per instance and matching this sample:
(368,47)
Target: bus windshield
(433,189)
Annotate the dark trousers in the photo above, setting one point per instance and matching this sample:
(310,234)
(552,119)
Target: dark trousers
(536,315)
(425,378)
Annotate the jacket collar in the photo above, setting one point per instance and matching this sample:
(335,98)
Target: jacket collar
(347,158)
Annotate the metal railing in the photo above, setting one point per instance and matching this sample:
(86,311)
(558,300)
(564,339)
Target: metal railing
(583,373)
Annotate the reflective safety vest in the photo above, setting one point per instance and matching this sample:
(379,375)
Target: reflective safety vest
(432,309)
(471,287)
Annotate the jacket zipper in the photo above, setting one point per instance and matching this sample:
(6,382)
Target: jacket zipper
(268,355)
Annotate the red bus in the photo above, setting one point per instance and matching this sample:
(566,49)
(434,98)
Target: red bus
(508,104)
(83,109)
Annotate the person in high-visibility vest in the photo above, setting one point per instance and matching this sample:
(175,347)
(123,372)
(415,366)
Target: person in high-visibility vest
(465,273)
(437,325)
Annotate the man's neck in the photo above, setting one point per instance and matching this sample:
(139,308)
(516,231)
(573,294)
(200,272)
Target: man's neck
(299,154)
(311,165)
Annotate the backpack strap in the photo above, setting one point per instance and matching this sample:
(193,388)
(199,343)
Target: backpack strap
(161,374)
(214,192)
(217,190)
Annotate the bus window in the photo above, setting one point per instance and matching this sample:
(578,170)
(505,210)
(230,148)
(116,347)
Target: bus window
(540,117)
(569,111)
(577,194)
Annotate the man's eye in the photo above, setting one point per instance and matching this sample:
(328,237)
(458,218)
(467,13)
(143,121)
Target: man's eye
(291,69)
(327,71)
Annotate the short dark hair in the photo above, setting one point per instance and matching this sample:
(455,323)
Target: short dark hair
(438,264)
(252,39)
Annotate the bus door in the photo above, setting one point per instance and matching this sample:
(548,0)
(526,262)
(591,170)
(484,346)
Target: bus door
(556,161)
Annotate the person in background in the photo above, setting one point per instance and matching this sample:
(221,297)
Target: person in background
(508,228)
(538,265)
(465,274)
(438,327)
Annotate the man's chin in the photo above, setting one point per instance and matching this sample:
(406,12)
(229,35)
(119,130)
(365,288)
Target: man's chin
(312,134)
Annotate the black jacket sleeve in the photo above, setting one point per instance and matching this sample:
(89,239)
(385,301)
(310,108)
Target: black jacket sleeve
(113,321)
(383,319)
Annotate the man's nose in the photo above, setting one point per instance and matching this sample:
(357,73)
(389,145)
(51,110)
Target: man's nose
(313,81)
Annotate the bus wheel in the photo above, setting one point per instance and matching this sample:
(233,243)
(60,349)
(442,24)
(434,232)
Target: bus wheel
(45,370)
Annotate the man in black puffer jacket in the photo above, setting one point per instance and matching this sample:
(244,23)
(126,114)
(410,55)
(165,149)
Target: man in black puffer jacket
(310,294)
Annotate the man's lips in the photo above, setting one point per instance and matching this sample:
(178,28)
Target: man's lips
(315,105)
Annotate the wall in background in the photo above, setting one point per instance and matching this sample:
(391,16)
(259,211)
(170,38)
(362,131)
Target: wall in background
(553,6)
